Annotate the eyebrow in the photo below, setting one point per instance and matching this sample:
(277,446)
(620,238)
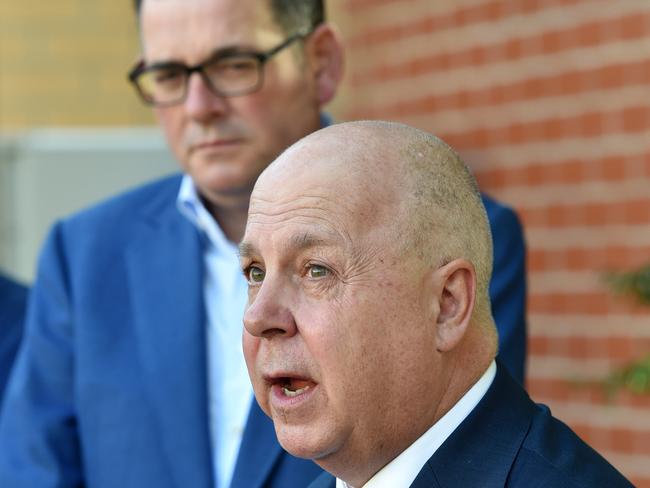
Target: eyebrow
(247,250)
(297,242)
(307,240)
(223,52)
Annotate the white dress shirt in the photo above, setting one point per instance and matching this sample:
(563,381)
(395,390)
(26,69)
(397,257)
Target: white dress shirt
(224,294)
(402,470)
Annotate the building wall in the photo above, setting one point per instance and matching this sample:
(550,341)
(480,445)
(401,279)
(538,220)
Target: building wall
(67,117)
(64,63)
(549,102)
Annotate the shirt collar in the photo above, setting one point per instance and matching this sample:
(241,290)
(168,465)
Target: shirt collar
(190,205)
(402,470)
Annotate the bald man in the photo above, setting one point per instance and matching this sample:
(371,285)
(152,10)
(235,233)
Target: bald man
(368,332)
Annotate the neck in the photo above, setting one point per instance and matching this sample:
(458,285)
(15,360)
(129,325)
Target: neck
(461,369)
(231,218)
(466,365)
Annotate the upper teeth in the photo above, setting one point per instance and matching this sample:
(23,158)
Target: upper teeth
(293,393)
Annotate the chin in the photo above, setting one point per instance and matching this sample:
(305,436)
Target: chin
(305,443)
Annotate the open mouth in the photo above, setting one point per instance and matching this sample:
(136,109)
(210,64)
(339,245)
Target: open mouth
(292,387)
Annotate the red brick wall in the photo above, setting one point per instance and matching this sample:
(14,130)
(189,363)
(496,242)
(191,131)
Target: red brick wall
(549,102)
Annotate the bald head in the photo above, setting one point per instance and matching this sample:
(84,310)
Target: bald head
(406,175)
(367,254)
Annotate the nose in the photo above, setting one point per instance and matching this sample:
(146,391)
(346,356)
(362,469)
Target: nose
(202,104)
(268,314)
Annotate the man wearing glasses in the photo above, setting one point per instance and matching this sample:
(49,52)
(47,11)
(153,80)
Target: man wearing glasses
(131,373)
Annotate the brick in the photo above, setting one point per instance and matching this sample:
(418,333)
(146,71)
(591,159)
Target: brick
(580,259)
(634,26)
(589,214)
(589,34)
(551,42)
(609,168)
(616,348)
(640,481)
(636,118)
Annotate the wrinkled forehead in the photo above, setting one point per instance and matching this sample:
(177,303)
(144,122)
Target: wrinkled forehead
(282,225)
(303,199)
(316,168)
(327,186)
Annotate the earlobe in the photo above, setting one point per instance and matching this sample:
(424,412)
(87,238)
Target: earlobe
(456,302)
(326,53)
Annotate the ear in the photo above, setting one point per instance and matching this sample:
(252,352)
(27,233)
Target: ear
(457,293)
(325,52)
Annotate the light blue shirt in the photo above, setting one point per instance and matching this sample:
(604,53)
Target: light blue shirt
(224,295)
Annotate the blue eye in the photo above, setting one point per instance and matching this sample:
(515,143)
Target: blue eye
(317,271)
(255,275)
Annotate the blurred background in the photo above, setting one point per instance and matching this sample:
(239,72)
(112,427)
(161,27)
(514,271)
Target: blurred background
(547,100)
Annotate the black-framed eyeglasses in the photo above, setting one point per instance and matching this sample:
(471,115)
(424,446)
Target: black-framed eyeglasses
(226,74)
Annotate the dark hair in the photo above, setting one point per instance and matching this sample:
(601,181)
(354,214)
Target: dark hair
(291,15)
(298,15)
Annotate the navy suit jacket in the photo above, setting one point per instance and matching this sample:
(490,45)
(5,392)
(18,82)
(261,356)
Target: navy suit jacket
(13,300)
(508,286)
(110,386)
(509,441)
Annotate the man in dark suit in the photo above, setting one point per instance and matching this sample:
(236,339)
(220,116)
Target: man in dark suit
(131,373)
(13,300)
(368,332)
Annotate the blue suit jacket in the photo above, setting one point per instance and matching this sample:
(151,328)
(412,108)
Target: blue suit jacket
(110,385)
(508,286)
(13,300)
(509,441)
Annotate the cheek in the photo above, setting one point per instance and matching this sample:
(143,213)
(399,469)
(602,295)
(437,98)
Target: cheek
(342,345)
(250,345)
(255,115)
(279,116)
(170,119)
(377,337)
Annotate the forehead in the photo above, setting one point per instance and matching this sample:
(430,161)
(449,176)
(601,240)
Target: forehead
(189,30)
(309,218)
(297,207)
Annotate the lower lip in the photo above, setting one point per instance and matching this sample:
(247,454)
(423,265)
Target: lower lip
(280,401)
(217,146)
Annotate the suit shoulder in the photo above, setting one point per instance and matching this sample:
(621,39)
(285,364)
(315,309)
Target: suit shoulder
(13,300)
(500,214)
(12,289)
(553,455)
(111,224)
(148,199)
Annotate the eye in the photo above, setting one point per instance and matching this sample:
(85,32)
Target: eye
(254,275)
(317,271)
(167,76)
(232,67)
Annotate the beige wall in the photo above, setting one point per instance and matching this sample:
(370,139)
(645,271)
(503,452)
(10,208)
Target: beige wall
(64,63)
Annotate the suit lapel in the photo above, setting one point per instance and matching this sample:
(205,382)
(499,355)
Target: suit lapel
(165,268)
(482,449)
(259,448)
(325,480)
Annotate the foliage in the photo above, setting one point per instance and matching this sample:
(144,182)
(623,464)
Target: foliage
(634,377)
(634,283)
